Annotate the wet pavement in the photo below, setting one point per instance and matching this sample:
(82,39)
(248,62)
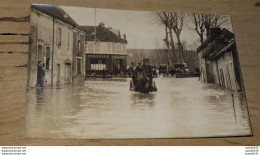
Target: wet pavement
(106,108)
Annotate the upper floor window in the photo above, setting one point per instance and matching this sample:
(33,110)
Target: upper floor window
(118,48)
(68,40)
(58,37)
(90,48)
(78,42)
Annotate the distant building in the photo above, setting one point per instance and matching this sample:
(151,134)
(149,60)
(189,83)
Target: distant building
(218,60)
(53,49)
(105,51)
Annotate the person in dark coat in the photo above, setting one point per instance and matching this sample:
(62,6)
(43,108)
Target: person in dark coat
(149,73)
(139,69)
(40,74)
(131,69)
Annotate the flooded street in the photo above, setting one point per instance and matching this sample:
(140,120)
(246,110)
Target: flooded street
(106,108)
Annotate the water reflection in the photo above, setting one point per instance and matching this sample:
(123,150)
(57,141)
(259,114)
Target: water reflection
(106,108)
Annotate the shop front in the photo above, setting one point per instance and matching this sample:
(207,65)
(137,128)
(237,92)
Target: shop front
(105,64)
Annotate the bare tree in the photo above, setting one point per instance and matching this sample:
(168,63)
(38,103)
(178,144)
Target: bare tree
(203,22)
(199,22)
(165,18)
(178,22)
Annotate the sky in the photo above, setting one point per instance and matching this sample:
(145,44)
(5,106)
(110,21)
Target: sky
(140,27)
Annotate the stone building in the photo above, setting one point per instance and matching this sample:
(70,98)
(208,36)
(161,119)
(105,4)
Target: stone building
(218,60)
(53,49)
(105,51)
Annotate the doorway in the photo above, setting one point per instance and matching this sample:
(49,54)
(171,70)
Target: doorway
(67,76)
(40,70)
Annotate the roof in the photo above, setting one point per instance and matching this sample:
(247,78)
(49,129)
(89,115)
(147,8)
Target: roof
(115,31)
(225,48)
(55,12)
(102,34)
(208,52)
(215,33)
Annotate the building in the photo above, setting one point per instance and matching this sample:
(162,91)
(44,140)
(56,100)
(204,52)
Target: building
(218,60)
(55,48)
(79,51)
(105,51)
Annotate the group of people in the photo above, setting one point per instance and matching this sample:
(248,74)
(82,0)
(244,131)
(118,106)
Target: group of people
(142,76)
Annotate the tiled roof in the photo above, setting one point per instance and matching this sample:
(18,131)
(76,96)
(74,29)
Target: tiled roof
(54,11)
(103,34)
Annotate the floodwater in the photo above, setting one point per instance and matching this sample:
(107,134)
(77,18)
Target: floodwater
(106,108)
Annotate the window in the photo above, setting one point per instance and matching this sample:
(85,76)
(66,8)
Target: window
(58,37)
(98,64)
(78,42)
(48,57)
(78,45)
(68,40)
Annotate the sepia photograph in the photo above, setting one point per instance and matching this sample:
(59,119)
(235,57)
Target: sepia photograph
(98,73)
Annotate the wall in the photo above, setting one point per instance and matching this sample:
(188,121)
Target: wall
(202,67)
(106,48)
(14,55)
(226,65)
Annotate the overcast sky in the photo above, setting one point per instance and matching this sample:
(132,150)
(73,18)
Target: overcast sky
(139,26)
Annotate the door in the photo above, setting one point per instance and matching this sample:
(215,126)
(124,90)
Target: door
(78,66)
(67,72)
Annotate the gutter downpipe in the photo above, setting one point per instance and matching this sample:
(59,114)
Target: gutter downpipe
(52,54)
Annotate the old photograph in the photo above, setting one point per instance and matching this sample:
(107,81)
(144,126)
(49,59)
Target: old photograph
(98,73)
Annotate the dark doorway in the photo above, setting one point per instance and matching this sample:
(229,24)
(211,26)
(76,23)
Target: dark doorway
(67,78)
(40,70)
(78,65)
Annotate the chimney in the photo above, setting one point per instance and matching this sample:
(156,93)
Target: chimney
(215,31)
(124,36)
(101,24)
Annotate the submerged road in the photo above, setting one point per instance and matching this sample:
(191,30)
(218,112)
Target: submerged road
(106,108)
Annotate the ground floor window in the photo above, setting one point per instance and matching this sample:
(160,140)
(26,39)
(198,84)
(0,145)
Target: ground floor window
(98,64)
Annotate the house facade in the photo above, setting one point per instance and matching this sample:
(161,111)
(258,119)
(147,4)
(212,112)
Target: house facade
(218,60)
(52,48)
(78,66)
(105,51)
